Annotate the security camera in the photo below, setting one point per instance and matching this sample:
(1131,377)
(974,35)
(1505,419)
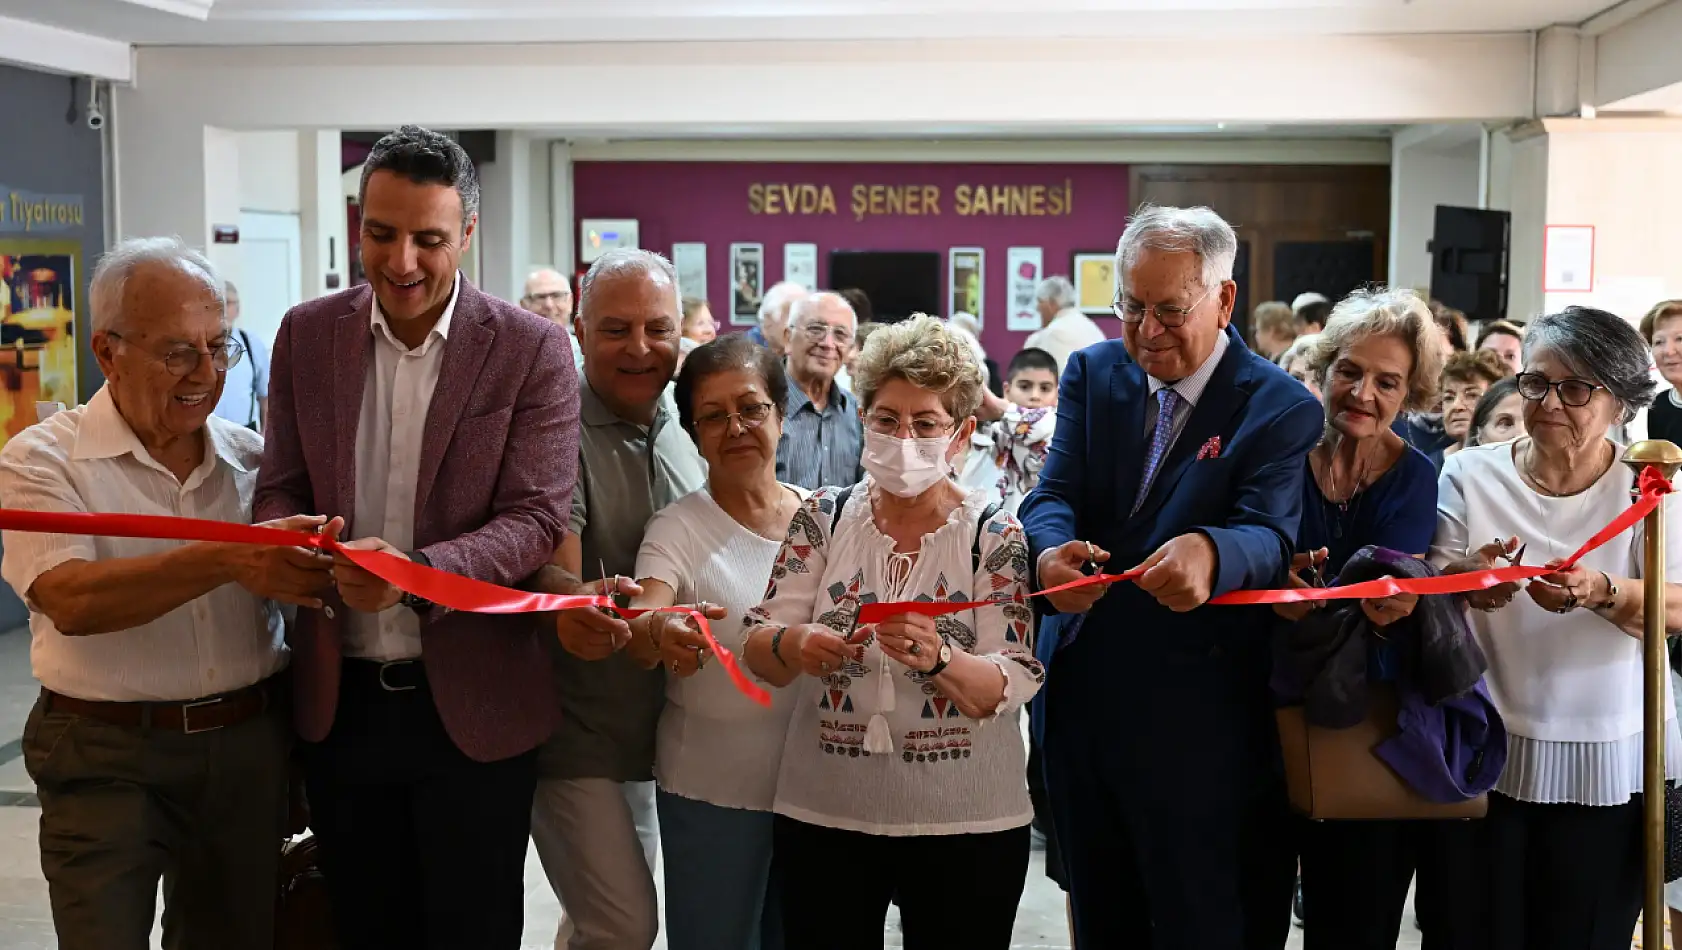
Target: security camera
(96,115)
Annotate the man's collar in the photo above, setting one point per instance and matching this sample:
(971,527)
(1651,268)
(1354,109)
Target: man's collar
(1067,314)
(104,434)
(596,413)
(442,327)
(798,399)
(1191,388)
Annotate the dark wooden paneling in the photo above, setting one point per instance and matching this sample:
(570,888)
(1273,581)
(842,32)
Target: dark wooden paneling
(1268,204)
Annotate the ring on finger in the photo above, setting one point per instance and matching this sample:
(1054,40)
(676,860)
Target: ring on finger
(916,649)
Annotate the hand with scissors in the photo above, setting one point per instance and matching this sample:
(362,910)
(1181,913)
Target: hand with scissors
(683,649)
(1071,562)
(596,633)
(1486,558)
(1306,563)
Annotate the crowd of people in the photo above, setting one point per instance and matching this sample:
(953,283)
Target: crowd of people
(202,702)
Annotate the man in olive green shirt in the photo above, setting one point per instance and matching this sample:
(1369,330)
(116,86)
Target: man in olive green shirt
(593,818)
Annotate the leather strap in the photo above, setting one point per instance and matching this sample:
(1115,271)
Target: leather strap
(199,715)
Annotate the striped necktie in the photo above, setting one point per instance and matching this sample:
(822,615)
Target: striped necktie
(1167,401)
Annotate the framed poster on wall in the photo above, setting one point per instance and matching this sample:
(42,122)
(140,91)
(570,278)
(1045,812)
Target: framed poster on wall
(965,282)
(800,264)
(1095,282)
(1022,282)
(39,286)
(747,283)
(689,259)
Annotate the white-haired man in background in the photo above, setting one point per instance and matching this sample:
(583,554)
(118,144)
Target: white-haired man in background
(1066,328)
(823,437)
(774,308)
(548,294)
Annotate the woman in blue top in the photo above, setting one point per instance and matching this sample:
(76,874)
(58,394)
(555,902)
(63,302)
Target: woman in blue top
(1379,355)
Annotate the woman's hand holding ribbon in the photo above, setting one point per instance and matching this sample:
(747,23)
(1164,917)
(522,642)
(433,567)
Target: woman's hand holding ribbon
(1483,559)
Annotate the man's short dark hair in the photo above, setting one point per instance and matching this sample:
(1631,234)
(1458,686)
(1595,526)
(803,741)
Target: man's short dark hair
(1030,359)
(1314,314)
(425,157)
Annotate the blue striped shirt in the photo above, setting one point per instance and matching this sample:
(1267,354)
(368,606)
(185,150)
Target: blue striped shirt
(820,449)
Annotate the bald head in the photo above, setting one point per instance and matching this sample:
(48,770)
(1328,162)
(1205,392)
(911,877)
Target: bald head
(549,295)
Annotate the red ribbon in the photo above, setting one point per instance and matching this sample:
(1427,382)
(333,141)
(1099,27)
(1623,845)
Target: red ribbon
(439,587)
(475,596)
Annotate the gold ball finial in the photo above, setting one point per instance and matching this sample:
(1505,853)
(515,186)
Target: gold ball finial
(1662,455)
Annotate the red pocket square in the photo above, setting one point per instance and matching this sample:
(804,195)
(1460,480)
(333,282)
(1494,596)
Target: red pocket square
(1211,449)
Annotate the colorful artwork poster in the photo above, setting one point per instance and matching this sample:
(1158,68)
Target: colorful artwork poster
(39,293)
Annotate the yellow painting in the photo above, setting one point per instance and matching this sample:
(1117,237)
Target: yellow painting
(39,294)
(1095,285)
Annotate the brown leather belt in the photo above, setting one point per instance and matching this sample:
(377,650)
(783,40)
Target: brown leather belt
(189,717)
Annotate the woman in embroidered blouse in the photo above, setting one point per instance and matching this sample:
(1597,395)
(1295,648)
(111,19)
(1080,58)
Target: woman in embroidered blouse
(902,773)
(1561,850)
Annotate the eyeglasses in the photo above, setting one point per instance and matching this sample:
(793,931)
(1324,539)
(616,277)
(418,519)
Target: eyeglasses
(1575,393)
(751,417)
(817,331)
(1132,311)
(920,428)
(184,360)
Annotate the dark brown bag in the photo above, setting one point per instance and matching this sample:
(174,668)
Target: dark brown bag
(303,914)
(1334,774)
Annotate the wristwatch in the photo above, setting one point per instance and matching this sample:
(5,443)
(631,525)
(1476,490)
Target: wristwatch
(406,599)
(942,658)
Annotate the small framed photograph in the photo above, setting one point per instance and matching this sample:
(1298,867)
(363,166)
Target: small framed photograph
(747,283)
(966,282)
(1095,282)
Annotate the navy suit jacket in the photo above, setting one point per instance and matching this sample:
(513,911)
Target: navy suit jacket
(1247,499)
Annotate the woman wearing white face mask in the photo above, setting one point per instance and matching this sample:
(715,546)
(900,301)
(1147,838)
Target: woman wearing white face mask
(897,783)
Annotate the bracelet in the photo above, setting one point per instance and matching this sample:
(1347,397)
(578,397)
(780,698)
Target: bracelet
(1611,592)
(777,641)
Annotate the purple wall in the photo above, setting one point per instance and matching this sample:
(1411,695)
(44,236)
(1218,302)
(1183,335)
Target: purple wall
(709,201)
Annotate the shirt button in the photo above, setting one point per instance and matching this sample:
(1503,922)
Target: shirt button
(328,611)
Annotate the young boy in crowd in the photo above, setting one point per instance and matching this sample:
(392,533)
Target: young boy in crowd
(1012,434)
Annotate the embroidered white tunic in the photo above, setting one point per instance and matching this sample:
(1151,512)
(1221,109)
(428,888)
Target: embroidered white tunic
(945,773)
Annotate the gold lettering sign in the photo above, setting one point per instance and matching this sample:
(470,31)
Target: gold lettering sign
(25,211)
(881,200)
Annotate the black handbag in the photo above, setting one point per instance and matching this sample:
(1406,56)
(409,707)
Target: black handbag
(1672,832)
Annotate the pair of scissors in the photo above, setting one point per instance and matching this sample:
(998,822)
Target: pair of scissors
(610,590)
(1515,559)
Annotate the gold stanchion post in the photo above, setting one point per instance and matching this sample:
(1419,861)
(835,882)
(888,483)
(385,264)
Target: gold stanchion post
(1667,458)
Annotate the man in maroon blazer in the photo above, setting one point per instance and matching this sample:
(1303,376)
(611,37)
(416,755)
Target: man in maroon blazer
(434,422)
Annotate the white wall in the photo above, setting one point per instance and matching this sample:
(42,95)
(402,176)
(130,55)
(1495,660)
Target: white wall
(1528,193)
(1421,178)
(268,172)
(218,201)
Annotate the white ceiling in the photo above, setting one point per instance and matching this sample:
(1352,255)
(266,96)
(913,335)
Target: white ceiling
(267,22)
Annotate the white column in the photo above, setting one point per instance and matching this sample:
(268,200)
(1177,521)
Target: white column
(540,205)
(504,233)
(562,225)
(322,218)
(221,189)
(1429,166)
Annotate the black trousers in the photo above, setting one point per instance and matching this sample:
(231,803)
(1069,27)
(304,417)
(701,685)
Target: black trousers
(1355,877)
(420,845)
(953,891)
(1558,877)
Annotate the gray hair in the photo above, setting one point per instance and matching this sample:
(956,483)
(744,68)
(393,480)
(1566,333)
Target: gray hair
(110,277)
(1601,346)
(1058,290)
(425,157)
(805,306)
(781,295)
(1392,312)
(1298,350)
(1160,228)
(622,262)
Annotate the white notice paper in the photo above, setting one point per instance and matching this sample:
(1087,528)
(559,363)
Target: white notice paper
(1568,258)
(800,264)
(690,261)
(1022,273)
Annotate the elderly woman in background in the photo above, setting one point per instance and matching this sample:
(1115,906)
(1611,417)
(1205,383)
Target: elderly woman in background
(1294,361)
(698,322)
(1466,376)
(716,754)
(1379,354)
(1273,327)
(1661,327)
(902,775)
(1562,846)
(1505,340)
(1499,415)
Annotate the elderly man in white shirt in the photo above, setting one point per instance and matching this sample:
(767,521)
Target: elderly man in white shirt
(159,743)
(1066,328)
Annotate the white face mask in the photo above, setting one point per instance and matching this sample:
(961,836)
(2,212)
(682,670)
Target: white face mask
(906,467)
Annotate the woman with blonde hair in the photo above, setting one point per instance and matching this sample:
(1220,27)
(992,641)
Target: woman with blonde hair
(901,778)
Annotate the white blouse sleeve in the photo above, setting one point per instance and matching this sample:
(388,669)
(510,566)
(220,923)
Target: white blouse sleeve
(665,554)
(1004,634)
(798,571)
(1451,542)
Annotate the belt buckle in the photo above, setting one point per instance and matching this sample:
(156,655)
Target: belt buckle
(187,717)
(387,686)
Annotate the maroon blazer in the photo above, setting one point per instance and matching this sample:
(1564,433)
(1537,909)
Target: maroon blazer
(496,472)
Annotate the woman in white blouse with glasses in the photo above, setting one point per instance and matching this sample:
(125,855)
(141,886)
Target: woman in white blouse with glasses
(902,773)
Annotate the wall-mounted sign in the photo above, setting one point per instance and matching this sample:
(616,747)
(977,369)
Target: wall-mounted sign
(800,264)
(224,233)
(25,212)
(747,283)
(868,200)
(1022,277)
(965,281)
(1567,258)
(597,236)
(689,259)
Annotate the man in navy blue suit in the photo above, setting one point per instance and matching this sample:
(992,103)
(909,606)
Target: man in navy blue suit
(1180,451)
